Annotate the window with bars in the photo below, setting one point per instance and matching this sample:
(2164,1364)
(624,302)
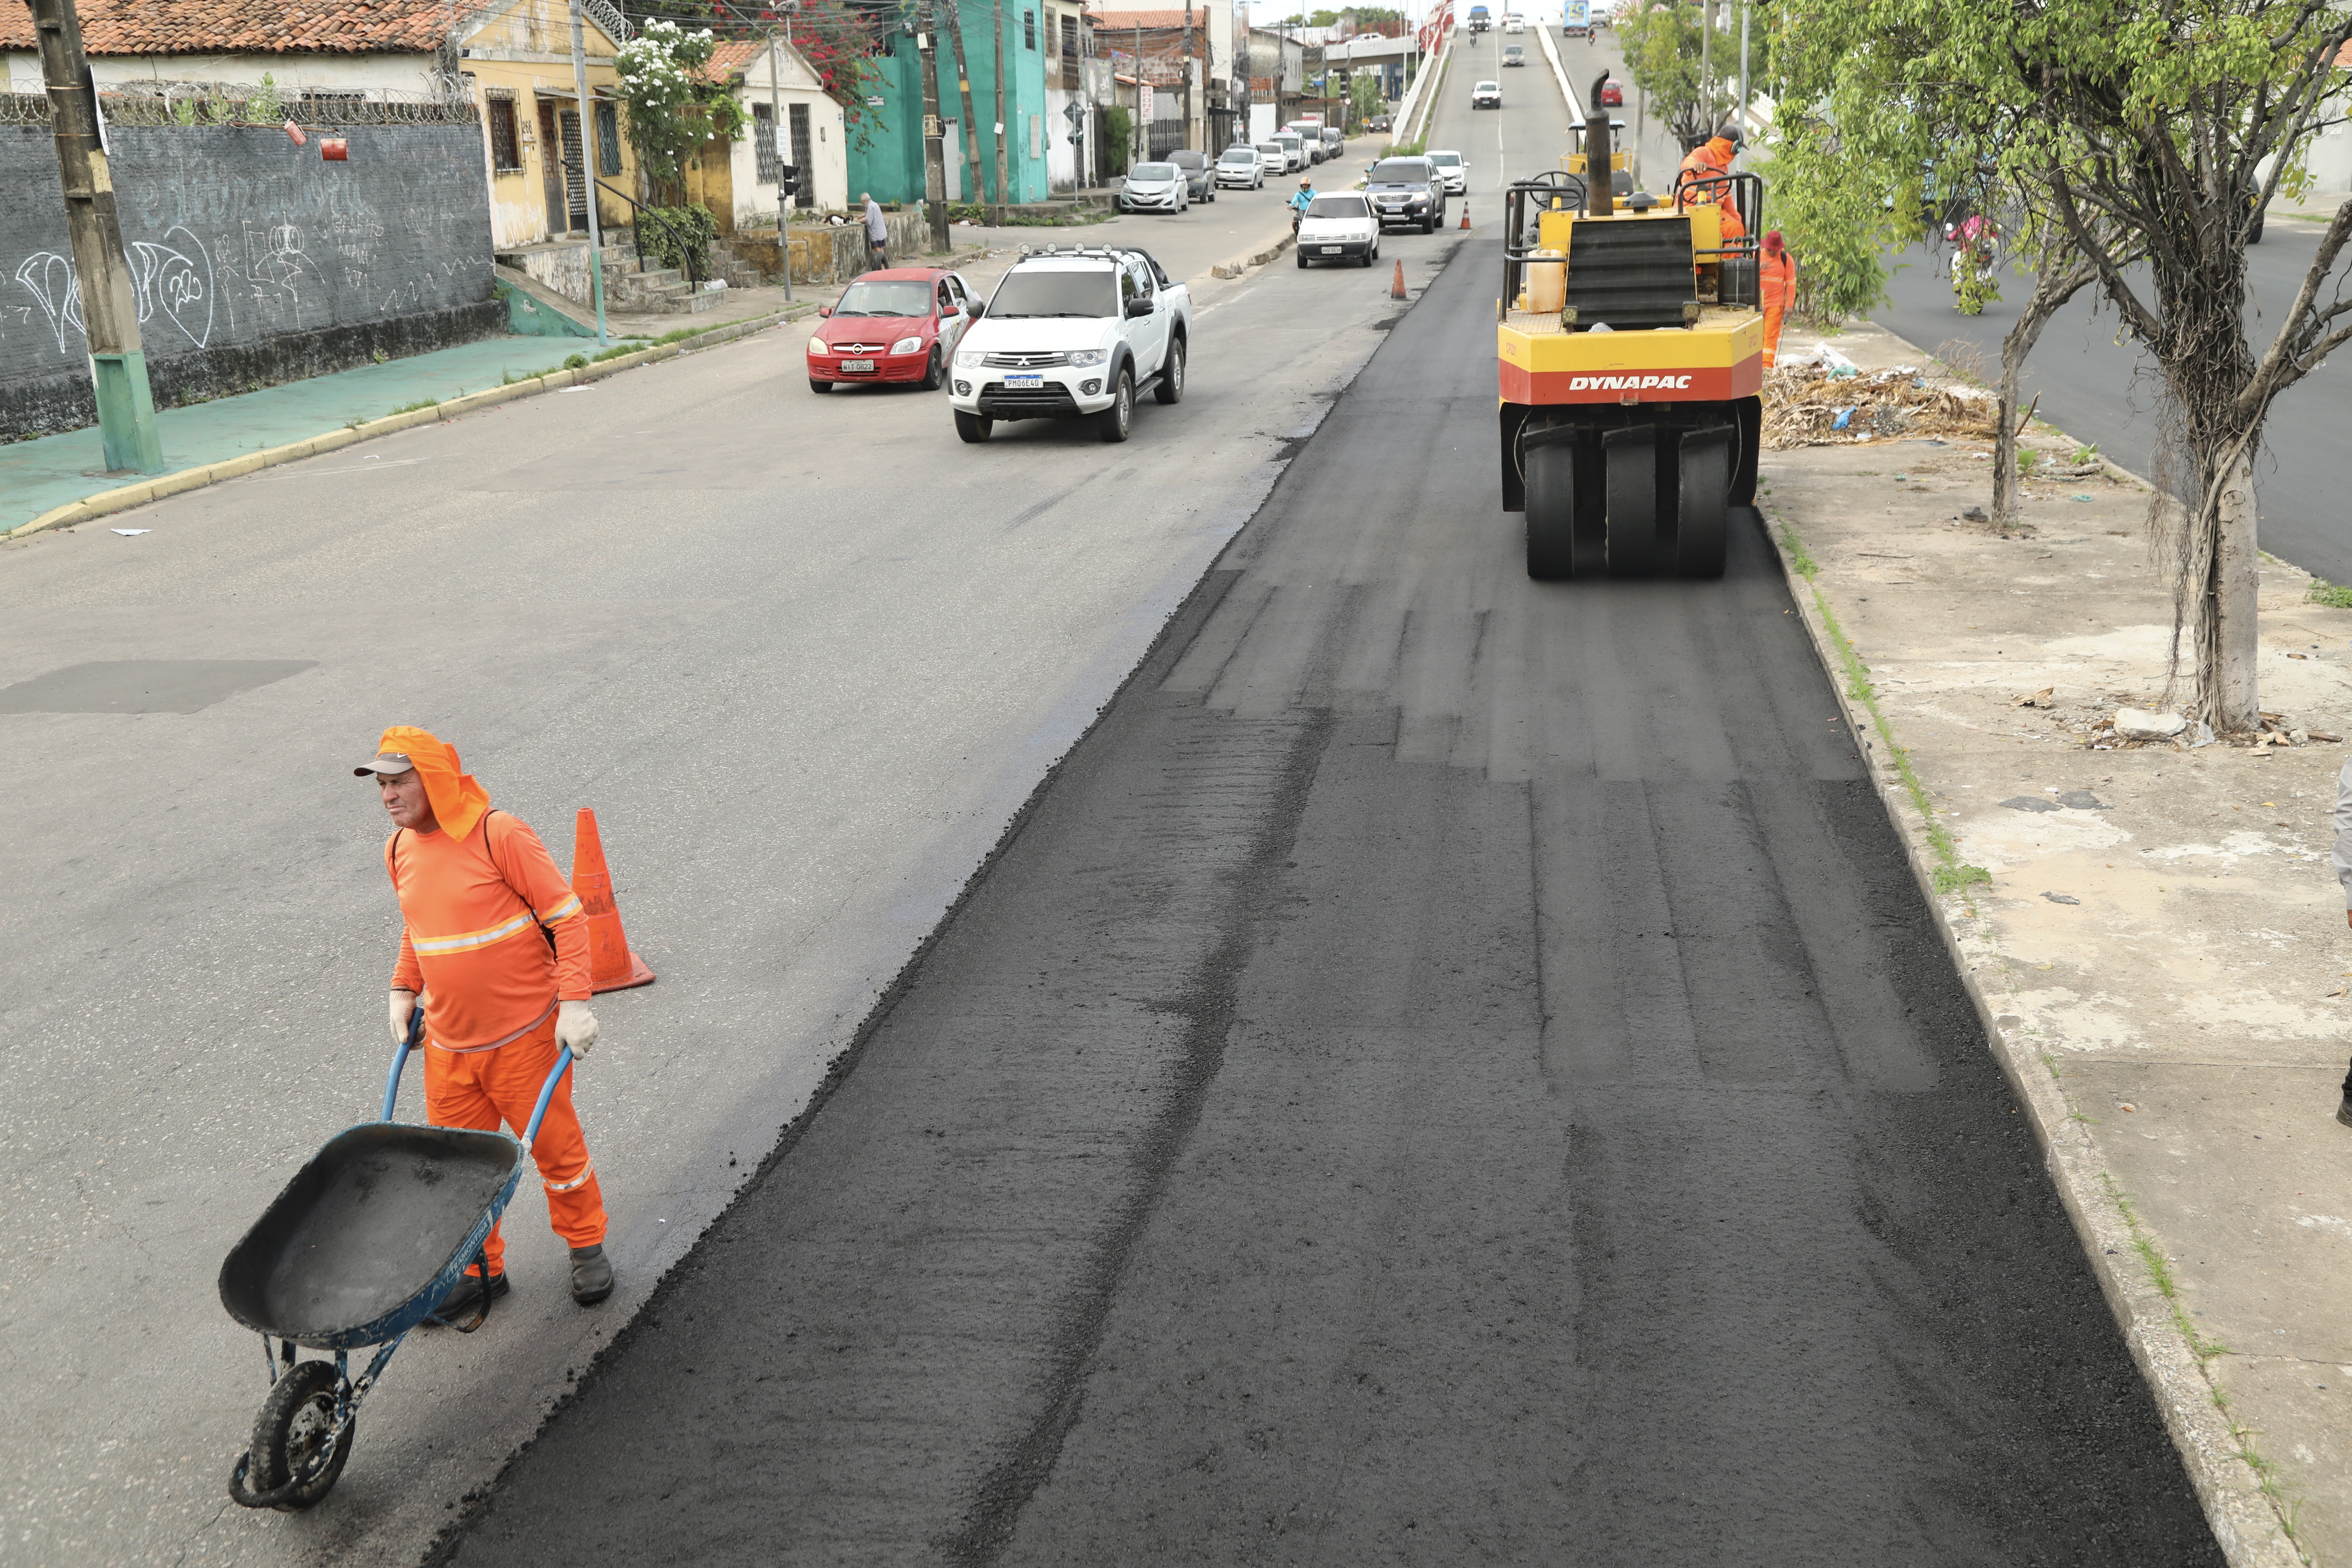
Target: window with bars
(1069,38)
(608,138)
(1029,30)
(506,145)
(799,123)
(763,143)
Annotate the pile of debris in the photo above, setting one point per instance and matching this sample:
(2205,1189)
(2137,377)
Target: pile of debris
(1824,400)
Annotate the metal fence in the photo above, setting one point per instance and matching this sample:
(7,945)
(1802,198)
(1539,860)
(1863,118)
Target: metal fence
(1162,137)
(243,103)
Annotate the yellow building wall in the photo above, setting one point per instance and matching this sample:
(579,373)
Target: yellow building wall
(526,48)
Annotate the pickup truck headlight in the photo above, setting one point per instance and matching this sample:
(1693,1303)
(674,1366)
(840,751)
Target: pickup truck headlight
(1086,356)
(908,346)
(969,358)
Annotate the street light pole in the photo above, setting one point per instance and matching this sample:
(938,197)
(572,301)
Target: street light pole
(109,306)
(776,146)
(935,168)
(588,171)
(1746,8)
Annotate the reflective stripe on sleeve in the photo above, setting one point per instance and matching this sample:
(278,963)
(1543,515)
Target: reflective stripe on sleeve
(564,910)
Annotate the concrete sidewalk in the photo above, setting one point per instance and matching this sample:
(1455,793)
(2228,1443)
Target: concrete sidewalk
(51,471)
(2152,930)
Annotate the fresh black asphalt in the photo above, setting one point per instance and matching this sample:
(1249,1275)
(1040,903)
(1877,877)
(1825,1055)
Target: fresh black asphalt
(1451,1070)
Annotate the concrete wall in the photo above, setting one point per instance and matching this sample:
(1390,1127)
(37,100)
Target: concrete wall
(256,261)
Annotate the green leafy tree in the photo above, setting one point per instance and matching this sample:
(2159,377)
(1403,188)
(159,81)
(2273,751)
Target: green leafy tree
(1661,44)
(674,107)
(2167,125)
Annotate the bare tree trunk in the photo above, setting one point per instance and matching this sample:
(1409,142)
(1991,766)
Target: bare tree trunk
(2227,696)
(2051,292)
(972,190)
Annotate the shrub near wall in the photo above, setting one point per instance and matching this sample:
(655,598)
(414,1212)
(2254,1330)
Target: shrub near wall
(254,261)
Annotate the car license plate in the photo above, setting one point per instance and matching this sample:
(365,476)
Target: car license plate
(1018,382)
(858,366)
(1331,250)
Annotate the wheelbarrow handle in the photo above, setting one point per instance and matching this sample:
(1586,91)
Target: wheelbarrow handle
(408,1042)
(546,1093)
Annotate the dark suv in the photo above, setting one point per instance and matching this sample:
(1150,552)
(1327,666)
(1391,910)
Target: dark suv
(1407,190)
(1200,174)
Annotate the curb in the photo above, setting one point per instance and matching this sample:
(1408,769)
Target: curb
(2243,1521)
(121,498)
(1240,264)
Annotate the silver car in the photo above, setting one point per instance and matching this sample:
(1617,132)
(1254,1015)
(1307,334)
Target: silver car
(1154,188)
(1453,170)
(1243,166)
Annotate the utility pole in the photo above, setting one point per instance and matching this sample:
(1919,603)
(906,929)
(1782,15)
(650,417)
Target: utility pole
(1746,8)
(1138,152)
(776,144)
(1707,69)
(1188,81)
(1004,175)
(109,306)
(974,192)
(935,169)
(588,172)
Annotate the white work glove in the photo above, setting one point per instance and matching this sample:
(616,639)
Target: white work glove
(576,1027)
(403,1003)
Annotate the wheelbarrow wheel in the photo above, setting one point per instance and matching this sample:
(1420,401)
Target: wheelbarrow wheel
(290,1437)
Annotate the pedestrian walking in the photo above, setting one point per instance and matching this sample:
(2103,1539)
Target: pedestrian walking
(497,944)
(877,234)
(1776,285)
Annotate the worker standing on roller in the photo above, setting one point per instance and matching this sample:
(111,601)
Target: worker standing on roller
(1775,285)
(1709,158)
(494,939)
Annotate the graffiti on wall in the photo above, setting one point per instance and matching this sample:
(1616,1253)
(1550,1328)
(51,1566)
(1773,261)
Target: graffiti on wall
(171,277)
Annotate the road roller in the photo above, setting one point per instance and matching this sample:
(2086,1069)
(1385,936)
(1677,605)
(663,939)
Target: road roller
(1631,354)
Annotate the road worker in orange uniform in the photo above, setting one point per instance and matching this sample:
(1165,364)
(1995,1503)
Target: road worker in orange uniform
(1711,157)
(476,889)
(1775,285)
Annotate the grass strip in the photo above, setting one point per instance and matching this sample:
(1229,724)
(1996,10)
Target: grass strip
(1952,874)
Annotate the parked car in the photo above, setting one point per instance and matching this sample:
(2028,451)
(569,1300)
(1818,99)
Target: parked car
(1486,95)
(1078,332)
(1513,55)
(1241,165)
(1154,188)
(1339,228)
(1200,182)
(1294,151)
(897,325)
(1612,94)
(1334,142)
(1274,157)
(1453,169)
(1406,191)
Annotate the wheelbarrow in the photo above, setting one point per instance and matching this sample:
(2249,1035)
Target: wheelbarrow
(364,1245)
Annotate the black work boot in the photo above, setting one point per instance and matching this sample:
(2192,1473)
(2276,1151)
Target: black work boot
(465,1298)
(2343,1109)
(592,1276)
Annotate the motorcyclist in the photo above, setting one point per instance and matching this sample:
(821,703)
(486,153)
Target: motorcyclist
(1300,202)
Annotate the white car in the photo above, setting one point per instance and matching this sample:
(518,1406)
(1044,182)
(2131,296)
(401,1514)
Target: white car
(1339,228)
(1514,24)
(1294,151)
(1241,167)
(1453,171)
(1074,333)
(1154,188)
(1486,95)
(1273,158)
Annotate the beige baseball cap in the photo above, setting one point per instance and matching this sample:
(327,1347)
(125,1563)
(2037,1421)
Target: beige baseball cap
(386,763)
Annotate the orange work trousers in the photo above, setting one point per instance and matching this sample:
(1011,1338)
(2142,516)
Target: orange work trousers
(480,1088)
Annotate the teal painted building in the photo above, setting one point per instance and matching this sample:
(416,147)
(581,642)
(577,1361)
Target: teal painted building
(886,150)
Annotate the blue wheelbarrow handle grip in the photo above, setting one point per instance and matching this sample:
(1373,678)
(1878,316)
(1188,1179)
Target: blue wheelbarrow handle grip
(408,1042)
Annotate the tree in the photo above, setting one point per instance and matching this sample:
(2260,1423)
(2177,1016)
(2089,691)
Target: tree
(1661,44)
(2172,122)
(674,106)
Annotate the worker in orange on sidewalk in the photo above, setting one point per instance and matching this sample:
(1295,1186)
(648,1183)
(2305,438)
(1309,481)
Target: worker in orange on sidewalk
(494,939)
(1775,285)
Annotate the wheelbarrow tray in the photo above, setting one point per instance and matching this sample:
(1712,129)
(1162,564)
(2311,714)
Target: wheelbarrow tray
(370,1234)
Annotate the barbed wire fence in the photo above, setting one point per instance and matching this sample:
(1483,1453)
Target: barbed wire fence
(199,103)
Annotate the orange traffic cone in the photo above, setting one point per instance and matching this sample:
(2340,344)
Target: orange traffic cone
(610,965)
(1465,215)
(1396,289)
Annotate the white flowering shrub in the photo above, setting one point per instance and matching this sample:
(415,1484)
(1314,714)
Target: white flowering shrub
(674,106)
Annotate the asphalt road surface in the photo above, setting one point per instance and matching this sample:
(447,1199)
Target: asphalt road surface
(1450,1070)
(807,656)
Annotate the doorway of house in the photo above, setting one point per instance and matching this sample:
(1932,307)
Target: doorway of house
(575,174)
(552,171)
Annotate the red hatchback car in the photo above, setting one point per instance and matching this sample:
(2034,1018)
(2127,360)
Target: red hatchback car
(897,325)
(1612,94)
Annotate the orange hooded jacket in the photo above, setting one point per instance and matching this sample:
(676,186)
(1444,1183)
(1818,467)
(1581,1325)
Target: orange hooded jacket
(473,895)
(1714,156)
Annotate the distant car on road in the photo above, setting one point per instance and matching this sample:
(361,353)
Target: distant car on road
(1378,123)
(898,325)
(1515,23)
(1479,20)
(1406,191)
(1339,228)
(1242,166)
(1452,169)
(1513,55)
(1612,94)
(1334,143)
(1294,151)
(1486,95)
(1074,334)
(1154,188)
(1200,180)
(1275,157)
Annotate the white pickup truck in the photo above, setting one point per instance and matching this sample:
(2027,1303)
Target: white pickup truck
(1073,332)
